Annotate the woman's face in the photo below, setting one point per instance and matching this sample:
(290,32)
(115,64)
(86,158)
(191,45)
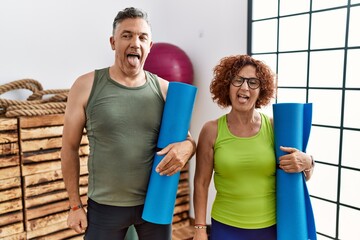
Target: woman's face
(243,97)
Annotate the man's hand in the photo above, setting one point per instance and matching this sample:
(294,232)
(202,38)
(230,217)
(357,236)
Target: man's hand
(77,220)
(176,156)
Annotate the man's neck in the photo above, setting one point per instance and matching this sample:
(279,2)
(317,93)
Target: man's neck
(129,80)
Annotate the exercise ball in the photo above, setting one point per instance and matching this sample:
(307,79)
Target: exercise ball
(169,62)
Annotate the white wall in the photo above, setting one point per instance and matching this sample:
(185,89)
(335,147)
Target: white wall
(55,41)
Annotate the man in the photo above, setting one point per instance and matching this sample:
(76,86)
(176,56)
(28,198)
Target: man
(121,108)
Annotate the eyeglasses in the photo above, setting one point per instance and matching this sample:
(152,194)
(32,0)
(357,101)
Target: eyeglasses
(253,83)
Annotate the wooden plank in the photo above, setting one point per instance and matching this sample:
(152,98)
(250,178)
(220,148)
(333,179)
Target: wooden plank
(52,154)
(39,145)
(182,199)
(42,167)
(183,233)
(30,169)
(50,187)
(10,206)
(10,194)
(9,172)
(46,221)
(50,209)
(10,160)
(8,137)
(181,208)
(14,217)
(186,167)
(184,175)
(8,124)
(79,237)
(44,188)
(65,234)
(181,224)
(180,217)
(9,149)
(84,150)
(50,198)
(11,229)
(38,121)
(18,236)
(46,230)
(49,176)
(43,132)
(36,157)
(44,144)
(10,183)
(183,188)
(40,178)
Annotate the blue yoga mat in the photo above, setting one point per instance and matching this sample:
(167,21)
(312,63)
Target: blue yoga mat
(161,193)
(295,218)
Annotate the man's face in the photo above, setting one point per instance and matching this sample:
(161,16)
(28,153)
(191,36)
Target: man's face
(131,42)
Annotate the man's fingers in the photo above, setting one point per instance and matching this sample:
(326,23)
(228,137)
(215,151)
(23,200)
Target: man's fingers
(170,170)
(78,229)
(83,224)
(162,164)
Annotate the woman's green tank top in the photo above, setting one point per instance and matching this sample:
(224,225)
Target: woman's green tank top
(244,177)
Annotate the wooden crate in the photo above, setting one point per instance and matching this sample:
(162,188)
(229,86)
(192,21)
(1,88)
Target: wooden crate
(183,233)
(182,202)
(11,207)
(45,197)
(33,199)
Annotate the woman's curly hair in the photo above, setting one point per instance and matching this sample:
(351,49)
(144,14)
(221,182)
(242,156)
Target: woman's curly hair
(228,69)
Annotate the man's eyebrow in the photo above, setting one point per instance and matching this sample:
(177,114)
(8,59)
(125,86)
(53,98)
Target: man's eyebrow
(131,32)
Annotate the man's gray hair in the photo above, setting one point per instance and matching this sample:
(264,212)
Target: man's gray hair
(127,13)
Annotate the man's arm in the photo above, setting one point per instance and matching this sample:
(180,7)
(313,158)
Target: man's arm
(74,122)
(176,156)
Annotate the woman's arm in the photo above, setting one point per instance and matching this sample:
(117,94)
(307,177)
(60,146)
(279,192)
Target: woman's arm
(203,174)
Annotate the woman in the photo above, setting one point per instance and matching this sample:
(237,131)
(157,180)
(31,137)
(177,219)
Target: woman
(239,148)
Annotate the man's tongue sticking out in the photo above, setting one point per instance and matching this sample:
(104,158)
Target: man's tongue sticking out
(134,60)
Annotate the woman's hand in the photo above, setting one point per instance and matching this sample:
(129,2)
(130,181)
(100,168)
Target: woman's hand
(200,234)
(294,161)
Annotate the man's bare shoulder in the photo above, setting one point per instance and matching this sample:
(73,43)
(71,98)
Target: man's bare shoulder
(164,84)
(84,80)
(80,90)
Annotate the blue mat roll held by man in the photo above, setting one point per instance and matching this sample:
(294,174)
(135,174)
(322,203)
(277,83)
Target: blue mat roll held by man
(161,195)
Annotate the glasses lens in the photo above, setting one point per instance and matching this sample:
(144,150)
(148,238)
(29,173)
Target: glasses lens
(237,82)
(253,83)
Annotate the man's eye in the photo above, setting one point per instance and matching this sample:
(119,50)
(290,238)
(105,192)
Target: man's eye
(126,36)
(143,38)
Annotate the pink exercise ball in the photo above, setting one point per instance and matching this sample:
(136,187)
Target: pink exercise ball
(169,62)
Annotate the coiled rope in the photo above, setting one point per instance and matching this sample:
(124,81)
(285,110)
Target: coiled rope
(35,104)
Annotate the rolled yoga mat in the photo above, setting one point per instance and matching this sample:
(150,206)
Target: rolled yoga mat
(295,218)
(161,194)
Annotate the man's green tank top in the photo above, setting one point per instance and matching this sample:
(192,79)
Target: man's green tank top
(244,177)
(122,125)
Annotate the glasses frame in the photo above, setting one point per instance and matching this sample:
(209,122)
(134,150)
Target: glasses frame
(238,82)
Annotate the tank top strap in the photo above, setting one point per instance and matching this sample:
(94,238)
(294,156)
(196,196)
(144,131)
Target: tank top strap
(154,83)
